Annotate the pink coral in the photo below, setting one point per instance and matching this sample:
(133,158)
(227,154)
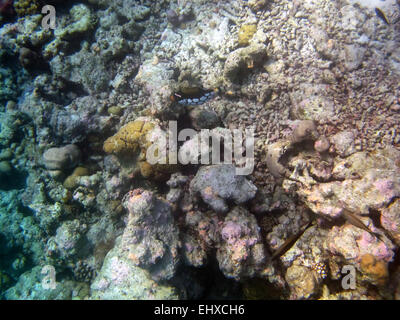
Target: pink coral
(352,243)
(387,188)
(231,232)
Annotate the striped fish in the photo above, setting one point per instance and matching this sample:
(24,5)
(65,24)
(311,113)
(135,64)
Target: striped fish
(193,96)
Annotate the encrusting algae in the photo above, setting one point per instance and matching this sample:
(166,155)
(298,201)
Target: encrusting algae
(375,270)
(246,33)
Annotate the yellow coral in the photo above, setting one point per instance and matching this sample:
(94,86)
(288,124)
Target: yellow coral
(26,7)
(127,139)
(81,171)
(71,182)
(133,136)
(158,172)
(245,34)
(115,110)
(145,169)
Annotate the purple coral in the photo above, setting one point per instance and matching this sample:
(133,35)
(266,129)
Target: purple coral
(241,252)
(230,232)
(352,243)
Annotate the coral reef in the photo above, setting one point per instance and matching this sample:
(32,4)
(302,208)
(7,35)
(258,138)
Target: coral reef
(257,5)
(151,239)
(120,279)
(61,158)
(29,287)
(142,134)
(302,282)
(86,107)
(241,61)
(390,219)
(375,187)
(245,34)
(71,182)
(218,183)
(375,270)
(26,7)
(241,253)
(129,137)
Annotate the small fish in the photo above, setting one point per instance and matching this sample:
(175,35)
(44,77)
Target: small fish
(290,241)
(381,15)
(355,221)
(193,96)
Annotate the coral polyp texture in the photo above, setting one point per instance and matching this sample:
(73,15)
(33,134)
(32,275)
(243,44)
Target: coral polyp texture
(136,137)
(124,129)
(129,137)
